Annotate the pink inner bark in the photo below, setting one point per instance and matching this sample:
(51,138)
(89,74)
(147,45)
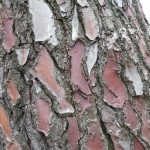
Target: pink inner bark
(73,133)
(95,140)
(10,39)
(13,91)
(116,94)
(43,115)
(77,77)
(44,70)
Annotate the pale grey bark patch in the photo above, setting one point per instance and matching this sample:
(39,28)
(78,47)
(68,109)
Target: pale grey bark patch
(126,145)
(119,3)
(92,57)
(43,21)
(75,25)
(133,75)
(83,3)
(22,55)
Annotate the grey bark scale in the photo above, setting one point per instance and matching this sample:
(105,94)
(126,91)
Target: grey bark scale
(117,37)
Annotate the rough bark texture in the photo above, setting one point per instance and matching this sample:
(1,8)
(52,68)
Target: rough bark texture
(74,74)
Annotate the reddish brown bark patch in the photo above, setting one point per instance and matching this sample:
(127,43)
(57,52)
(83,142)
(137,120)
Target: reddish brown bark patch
(95,140)
(10,39)
(44,114)
(132,73)
(77,77)
(116,94)
(138,145)
(13,92)
(4,123)
(73,133)
(44,70)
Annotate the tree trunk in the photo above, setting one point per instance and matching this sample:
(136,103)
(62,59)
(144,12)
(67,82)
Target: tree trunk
(74,74)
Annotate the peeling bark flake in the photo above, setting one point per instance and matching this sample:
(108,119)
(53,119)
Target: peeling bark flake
(92,57)
(75,25)
(10,39)
(73,133)
(4,123)
(22,55)
(77,77)
(119,3)
(90,23)
(83,3)
(43,22)
(44,114)
(133,75)
(44,70)
(116,94)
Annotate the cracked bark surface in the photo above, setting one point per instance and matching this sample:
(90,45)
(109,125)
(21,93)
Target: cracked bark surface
(74,75)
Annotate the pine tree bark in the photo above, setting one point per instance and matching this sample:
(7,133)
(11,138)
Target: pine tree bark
(74,75)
